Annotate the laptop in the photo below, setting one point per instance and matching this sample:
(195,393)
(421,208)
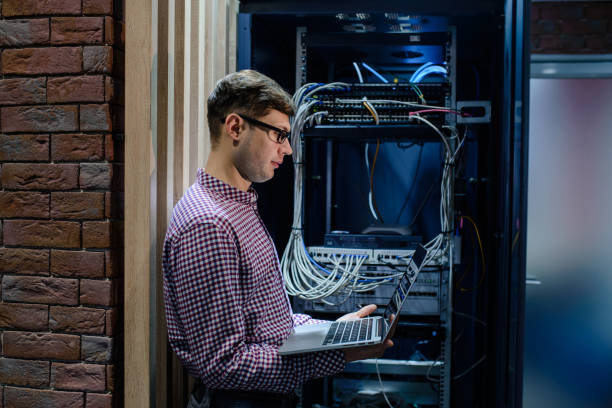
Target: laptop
(360,332)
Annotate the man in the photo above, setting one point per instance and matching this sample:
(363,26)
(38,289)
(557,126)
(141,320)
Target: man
(226,306)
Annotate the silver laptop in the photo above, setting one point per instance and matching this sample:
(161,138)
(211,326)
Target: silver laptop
(360,332)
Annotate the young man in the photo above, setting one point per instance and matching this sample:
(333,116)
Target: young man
(226,306)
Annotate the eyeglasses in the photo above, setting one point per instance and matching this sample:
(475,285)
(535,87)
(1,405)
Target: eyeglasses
(281,134)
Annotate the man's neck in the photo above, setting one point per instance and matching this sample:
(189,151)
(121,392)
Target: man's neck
(225,171)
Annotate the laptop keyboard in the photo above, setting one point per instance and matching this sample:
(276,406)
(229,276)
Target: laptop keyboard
(349,331)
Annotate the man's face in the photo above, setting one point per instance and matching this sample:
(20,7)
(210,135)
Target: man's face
(258,154)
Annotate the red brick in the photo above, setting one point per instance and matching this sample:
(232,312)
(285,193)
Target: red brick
(111,377)
(109,30)
(77,205)
(99,400)
(76,147)
(33,289)
(96,234)
(550,12)
(561,43)
(78,264)
(603,10)
(24,372)
(96,292)
(77,30)
(56,60)
(87,377)
(39,176)
(24,317)
(109,89)
(95,176)
(22,91)
(24,261)
(41,345)
(109,147)
(48,118)
(96,349)
(24,32)
(24,147)
(77,320)
(534,13)
(581,27)
(107,204)
(76,89)
(60,234)
(600,43)
(28,398)
(571,12)
(97,6)
(95,117)
(98,59)
(37,7)
(544,27)
(24,204)
(113,322)
(113,263)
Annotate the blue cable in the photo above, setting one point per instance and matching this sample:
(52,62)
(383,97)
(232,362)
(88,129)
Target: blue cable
(436,69)
(372,70)
(419,69)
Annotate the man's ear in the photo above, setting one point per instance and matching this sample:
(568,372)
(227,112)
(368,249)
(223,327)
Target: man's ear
(233,126)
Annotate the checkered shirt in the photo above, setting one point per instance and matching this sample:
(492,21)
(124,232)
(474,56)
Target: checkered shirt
(226,306)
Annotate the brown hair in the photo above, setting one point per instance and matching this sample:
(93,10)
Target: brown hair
(248,92)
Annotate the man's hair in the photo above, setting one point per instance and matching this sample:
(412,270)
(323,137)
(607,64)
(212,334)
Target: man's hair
(248,92)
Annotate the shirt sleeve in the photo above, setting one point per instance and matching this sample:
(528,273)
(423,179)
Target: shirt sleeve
(209,305)
(300,319)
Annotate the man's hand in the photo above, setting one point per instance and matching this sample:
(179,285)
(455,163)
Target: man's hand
(375,351)
(363,312)
(362,353)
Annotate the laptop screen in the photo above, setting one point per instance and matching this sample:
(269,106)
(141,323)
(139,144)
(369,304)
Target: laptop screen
(401,291)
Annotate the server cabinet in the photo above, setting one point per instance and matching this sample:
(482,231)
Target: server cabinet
(374,181)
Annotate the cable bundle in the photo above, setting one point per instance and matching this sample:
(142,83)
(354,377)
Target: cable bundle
(304,277)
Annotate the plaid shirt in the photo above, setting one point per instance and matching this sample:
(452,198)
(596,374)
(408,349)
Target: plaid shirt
(226,307)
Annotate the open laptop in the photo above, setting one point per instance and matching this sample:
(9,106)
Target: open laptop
(360,332)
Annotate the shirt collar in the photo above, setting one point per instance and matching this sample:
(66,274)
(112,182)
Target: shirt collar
(225,190)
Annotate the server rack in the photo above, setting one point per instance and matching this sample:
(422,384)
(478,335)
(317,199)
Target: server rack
(487,71)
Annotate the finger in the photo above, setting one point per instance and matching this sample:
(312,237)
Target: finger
(366,310)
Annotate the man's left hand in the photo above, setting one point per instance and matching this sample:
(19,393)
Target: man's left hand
(363,312)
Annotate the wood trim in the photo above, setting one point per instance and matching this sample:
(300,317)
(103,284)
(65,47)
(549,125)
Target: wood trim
(160,337)
(138,171)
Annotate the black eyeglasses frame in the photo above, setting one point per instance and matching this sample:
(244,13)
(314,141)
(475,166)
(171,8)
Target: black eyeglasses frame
(282,134)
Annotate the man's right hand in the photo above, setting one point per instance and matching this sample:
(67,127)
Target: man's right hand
(374,351)
(362,353)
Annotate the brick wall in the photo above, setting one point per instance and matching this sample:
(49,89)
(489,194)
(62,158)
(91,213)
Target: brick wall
(571,28)
(61,202)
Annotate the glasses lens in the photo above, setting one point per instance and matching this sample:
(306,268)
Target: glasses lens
(282,136)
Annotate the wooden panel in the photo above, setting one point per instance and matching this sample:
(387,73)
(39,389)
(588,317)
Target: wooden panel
(179,91)
(160,338)
(138,168)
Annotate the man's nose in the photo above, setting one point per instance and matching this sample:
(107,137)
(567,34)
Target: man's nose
(286,147)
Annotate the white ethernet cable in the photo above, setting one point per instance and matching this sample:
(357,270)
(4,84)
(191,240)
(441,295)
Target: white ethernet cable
(304,277)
